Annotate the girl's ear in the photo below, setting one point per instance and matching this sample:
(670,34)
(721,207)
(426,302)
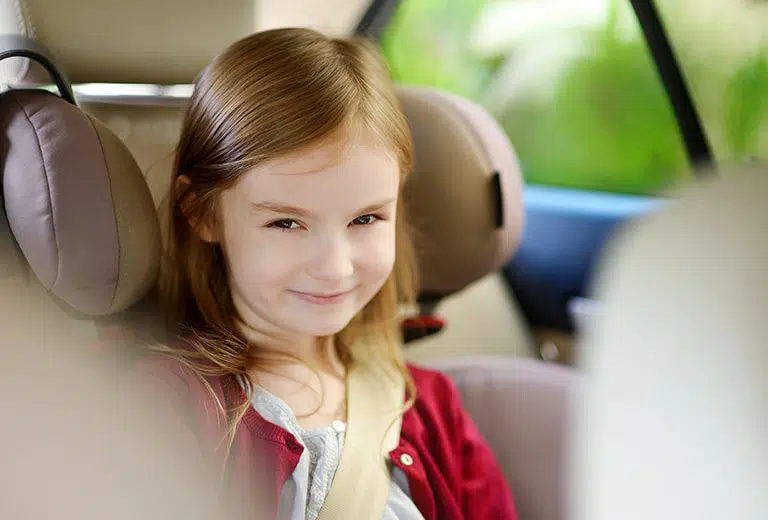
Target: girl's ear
(185,200)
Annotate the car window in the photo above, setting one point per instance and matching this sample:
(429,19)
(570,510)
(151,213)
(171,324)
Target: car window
(722,47)
(572,83)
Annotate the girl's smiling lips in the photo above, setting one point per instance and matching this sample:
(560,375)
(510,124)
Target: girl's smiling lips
(322,298)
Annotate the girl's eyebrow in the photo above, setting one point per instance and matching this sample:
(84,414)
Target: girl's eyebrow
(376,206)
(276,207)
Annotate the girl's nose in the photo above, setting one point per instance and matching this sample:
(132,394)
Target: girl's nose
(333,259)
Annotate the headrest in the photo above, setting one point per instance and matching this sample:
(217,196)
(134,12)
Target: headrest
(465,192)
(677,405)
(77,203)
(161,42)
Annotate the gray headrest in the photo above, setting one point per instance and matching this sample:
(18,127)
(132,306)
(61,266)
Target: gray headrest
(77,204)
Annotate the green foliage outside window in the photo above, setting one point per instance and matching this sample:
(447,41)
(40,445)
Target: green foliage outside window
(582,102)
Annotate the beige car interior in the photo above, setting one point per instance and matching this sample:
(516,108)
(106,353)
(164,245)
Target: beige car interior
(83,185)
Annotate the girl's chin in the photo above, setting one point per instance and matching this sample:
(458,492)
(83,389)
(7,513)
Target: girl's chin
(323,329)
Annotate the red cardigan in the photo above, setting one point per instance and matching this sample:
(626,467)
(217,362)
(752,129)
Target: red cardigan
(451,471)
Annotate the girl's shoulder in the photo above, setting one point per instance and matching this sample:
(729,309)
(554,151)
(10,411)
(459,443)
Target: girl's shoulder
(164,370)
(435,391)
(167,382)
(429,378)
(163,375)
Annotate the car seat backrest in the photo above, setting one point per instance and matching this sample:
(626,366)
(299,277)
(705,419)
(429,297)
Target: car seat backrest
(76,201)
(675,413)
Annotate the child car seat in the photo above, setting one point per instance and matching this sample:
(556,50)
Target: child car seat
(91,235)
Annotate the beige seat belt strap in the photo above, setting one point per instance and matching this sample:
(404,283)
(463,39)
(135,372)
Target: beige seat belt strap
(375,398)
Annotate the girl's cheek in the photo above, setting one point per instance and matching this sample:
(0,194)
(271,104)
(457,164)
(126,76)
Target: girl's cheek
(263,254)
(376,249)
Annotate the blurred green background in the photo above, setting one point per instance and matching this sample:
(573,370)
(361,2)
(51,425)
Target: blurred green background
(574,86)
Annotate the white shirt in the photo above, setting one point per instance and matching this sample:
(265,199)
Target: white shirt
(304,493)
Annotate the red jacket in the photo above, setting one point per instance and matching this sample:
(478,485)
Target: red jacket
(451,471)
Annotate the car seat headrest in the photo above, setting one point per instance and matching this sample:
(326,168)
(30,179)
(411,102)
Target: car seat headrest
(124,42)
(677,358)
(77,203)
(465,192)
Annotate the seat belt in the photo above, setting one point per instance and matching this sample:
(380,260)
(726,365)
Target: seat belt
(375,399)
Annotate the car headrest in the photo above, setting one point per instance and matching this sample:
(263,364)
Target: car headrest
(124,42)
(465,192)
(76,202)
(677,404)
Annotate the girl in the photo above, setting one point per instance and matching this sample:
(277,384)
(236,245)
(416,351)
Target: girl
(289,258)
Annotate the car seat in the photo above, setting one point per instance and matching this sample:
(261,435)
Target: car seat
(674,419)
(81,188)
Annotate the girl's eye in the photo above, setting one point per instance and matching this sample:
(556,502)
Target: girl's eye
(365,220)
(284,224)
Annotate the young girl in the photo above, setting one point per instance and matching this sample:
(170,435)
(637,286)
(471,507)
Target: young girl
(289,259)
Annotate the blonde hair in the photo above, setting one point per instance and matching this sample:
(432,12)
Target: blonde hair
(266,96)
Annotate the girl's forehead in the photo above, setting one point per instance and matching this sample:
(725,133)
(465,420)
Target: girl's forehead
(350,167)
(312,159)
(344,145)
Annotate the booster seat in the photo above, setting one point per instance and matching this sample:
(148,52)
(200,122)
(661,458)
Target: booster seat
(82,197)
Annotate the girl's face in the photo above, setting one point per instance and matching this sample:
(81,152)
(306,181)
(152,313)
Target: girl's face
(310,238)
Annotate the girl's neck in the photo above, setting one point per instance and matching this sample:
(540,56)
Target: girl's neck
(317,352)
(306,372)
(311,381)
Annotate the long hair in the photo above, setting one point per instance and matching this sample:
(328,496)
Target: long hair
(266,96)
